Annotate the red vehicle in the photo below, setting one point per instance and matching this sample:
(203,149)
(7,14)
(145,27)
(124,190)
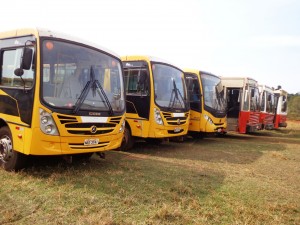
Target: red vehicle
(280,108)
(267,107)
(242,98)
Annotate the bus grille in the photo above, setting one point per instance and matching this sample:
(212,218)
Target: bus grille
(78,128)
(175,121)
(82,146)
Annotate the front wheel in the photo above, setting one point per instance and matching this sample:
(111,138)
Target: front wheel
(127,141)
(10,159)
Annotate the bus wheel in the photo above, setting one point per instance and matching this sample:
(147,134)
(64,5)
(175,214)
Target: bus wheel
(127,141)
(10,159)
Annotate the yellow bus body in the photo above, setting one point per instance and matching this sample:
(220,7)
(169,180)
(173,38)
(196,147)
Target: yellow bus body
(174,123)
(203,121)
(27,137)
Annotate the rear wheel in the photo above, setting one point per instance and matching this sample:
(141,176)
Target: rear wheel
(9,158)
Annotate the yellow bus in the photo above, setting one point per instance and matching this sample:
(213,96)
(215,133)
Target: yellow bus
(207,104)
(156,100)
(58,96)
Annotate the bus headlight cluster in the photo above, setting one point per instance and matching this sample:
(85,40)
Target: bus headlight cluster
(47,123)
(122,127)
(157,117)
(208,119)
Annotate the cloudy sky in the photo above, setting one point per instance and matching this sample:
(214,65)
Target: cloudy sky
(253,38)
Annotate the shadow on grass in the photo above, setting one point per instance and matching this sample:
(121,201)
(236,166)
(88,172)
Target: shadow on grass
(239,149)
(122,183)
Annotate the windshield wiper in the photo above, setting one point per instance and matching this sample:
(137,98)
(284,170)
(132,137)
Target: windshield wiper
(94,84)
(82,96)
(174,96)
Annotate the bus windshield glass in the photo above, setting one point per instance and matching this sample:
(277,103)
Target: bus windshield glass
(213,92)
(169,87)
(80,78)
(251,93)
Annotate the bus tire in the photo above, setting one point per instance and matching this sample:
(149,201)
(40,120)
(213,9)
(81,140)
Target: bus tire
(127,141)
(10,160)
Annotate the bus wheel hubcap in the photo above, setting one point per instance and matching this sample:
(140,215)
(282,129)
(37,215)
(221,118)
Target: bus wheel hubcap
(6,151)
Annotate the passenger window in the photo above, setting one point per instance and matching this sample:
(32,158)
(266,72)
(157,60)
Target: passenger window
(11,61)
(136,81)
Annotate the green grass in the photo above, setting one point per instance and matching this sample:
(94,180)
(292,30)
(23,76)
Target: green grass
(294,107)
(238,179)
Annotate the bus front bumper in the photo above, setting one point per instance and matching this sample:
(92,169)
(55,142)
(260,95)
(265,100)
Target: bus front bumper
(56,145)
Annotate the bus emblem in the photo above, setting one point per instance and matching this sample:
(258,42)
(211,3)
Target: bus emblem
(93,129)
(178,121)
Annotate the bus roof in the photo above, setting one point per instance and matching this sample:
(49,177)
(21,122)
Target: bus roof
(281,92)
(148,59)
(238,81)
(42,32)
(262,87)
(198,72)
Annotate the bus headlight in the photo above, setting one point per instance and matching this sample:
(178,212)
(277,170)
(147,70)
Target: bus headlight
(122,127)
(47,123)
(208,119)
(157,117)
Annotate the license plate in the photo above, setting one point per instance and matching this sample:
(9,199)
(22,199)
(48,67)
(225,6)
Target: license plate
(177,129)
(91,141)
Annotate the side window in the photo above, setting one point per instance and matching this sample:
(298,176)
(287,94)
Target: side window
(136,81)
(11,61)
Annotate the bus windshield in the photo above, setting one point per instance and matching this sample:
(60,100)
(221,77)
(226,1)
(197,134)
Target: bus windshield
(169,86)
(79,78)
(251,93)
(213,92)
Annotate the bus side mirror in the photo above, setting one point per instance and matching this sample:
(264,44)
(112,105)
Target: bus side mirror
(26,61)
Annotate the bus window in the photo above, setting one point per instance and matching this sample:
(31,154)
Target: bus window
(254,99)
(136,81)
(11,61)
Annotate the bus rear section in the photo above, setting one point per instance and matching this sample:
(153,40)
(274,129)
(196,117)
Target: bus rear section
(207,103)
(280,108)
(242,97)
(267,107)
(58,96)
(156,100)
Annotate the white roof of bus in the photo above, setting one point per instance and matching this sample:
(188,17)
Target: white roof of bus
(281,92)
(262,87)
(42,32)
(237,81)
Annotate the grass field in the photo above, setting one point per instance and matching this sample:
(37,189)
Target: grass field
(238,179)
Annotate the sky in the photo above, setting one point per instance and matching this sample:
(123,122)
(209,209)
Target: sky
(253,38)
